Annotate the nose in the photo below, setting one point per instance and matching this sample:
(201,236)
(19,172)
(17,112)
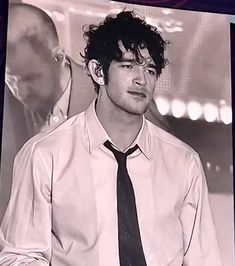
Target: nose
(139,78)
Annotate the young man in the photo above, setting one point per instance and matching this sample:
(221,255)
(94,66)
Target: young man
(107,187)
(45,86)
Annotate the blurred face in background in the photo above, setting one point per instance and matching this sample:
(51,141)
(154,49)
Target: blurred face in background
(32,75)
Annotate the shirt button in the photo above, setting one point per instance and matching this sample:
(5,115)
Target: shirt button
(55,119)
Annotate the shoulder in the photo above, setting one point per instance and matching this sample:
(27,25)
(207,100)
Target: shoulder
(168,142)
(180,162)
(60,137)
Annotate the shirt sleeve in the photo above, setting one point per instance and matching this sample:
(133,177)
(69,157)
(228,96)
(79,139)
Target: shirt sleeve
(200,241)
(25,234)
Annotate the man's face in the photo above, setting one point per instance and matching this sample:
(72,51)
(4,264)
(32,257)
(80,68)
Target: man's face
(131,85)
(32,76)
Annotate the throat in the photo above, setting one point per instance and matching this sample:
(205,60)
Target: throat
(123,130)
(123,139)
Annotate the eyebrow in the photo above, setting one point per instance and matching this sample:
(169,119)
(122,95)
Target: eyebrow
(124,60)
(151,65)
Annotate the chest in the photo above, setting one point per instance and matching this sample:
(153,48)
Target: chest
(84,183)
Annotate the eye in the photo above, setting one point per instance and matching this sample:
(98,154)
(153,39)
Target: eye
(128,66)
(151,71)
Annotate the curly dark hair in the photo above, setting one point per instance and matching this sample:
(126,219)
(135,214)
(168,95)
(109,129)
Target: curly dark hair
(135,34)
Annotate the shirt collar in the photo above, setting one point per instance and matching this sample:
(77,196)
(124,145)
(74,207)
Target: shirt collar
(143,139)
(97,134)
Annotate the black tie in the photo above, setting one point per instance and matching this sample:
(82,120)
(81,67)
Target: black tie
(130,247)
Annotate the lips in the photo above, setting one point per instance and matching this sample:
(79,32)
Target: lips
(138,94)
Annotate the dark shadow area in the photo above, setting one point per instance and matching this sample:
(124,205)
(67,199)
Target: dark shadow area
(213,141)
(3,34)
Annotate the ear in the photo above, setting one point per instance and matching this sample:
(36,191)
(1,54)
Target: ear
(58,54)
(96,72)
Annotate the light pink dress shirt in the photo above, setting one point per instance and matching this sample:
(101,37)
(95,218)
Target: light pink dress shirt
(63,204)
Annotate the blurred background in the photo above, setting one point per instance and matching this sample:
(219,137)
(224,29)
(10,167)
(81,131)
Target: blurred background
(193,93)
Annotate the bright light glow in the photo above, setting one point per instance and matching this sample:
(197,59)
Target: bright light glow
(163,105)
(168,23)
(89,12)
(194,110)
(179,23)
(226,114)
(208,165)
(222,101)
(101,15)
(178,108)
(173,29)
(167,11)
(149,20)
(210,112)
(231,168)
(116,10)
(72,9)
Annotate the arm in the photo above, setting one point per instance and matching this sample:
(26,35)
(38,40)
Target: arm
(25,235)
(200,243)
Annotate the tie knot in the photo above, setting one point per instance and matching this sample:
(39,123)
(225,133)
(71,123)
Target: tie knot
(120,156)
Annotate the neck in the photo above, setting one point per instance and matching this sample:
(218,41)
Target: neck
(41,114)
(121,126)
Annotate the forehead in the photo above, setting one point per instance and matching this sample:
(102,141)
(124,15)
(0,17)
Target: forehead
(22,22)
(144,54)
(22,58)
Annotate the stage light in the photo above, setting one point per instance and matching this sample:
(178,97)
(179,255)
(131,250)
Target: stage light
(89,12)
(72,9)
(194,110)
(231,168)
(222,102)
(178,108)
(163,105)
(226,114)
(208,165)
(168,23)
(210,112)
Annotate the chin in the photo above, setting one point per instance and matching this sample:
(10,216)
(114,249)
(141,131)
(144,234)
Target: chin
(138,111)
